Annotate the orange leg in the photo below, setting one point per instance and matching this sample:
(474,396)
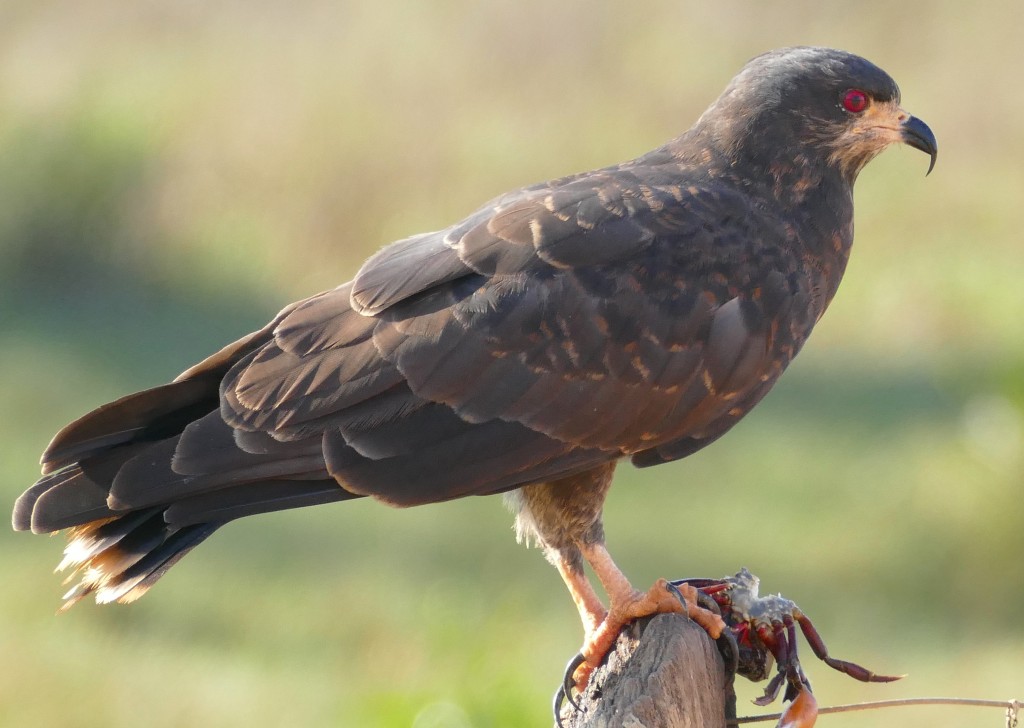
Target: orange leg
(592,611)
(625,605)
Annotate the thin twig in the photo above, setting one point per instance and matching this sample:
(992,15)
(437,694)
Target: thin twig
(1010,706)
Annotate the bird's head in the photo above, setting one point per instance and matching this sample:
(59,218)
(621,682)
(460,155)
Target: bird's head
(823,105)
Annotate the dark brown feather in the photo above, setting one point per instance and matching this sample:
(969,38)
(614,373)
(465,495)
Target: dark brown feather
(638,310)
(265,496)
(150,415)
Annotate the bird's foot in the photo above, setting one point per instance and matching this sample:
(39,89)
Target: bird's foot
(662,598)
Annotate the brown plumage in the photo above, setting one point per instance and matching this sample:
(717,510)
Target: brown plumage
(634,311)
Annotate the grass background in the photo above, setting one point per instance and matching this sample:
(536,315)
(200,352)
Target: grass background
(171,174)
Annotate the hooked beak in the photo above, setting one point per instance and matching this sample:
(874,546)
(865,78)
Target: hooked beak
(916,133)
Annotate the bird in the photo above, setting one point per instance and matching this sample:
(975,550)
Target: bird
(637,311)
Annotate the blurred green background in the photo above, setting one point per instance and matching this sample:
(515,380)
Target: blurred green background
(171,174)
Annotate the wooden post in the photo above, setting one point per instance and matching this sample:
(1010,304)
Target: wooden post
(664,672)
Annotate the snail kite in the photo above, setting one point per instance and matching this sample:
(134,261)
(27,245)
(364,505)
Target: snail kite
(636,311)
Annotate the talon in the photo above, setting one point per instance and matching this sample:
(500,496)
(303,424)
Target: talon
(557,706)
(675,591)
(704,586)
(706,601)
(729,649)
(569,683)
(710,620)
(581,678)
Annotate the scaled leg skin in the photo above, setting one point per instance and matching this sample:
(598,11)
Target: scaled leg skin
(627,604)
(564,517)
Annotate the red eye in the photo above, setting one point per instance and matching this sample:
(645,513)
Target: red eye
(855,101)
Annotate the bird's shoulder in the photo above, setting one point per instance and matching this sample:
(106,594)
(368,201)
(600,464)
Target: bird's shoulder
(643,283)
(653,211)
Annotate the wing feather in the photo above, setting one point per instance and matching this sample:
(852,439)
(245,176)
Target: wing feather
(609,314)
(404,269)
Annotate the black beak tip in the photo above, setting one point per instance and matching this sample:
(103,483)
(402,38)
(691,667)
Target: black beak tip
(917,134)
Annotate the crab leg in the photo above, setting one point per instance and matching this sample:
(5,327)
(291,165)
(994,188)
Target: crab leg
(801,713)
(771,690)
(791,635)
(818,645)
(768,637)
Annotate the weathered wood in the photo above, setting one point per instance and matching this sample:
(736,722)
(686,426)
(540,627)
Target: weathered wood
(664,672)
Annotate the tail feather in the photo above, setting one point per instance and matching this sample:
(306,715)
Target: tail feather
(69,503)
(21,518)
(121,565)
(111,479)
(73,495)
(141,481)
(97,537)
(119,559)
(137,579)
(145,416)
(250,499)
(153,414)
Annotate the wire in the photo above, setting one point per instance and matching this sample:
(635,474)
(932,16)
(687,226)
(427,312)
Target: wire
(1011,706)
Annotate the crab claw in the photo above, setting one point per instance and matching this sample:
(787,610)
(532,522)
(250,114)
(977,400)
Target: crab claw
(801,713)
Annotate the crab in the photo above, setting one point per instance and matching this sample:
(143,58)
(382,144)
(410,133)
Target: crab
(765,629)
(761,631)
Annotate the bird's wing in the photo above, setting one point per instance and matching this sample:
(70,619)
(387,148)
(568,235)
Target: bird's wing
(611,314)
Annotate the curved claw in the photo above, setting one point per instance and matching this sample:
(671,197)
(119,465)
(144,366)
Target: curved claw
(801,713)
(704,585)
(729,648)
(674,590)
(557,706)
(565,690)
(704,600)
(568,683)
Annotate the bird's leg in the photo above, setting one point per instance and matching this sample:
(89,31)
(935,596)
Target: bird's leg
(564,516)
(569,563)
(627,604)
(591,609)
(561,516)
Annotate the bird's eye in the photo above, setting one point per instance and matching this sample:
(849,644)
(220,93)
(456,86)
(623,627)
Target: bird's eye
(855,101)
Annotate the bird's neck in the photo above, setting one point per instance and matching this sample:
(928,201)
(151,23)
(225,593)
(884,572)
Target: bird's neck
(815,195)
(772,162)
(814,198)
